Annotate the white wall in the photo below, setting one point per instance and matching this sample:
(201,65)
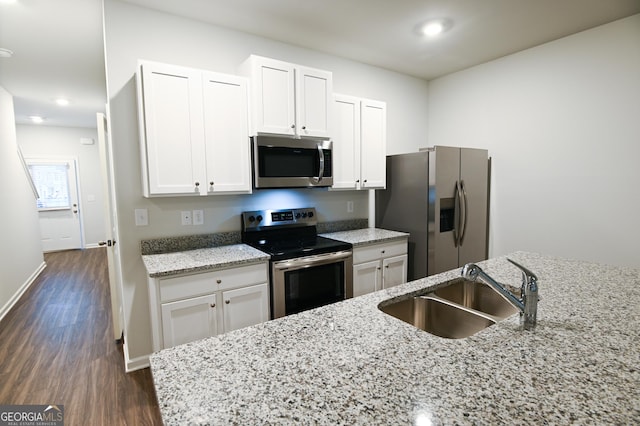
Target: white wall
(562,123)
(134,33)
(21,250)
(64,142)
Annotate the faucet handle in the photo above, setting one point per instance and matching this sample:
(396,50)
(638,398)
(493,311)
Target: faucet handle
(528,275)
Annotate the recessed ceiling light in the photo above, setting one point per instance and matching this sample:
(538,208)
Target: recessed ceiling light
(62,101)
(7,1)
(36,118)
(5,53)
(435,27)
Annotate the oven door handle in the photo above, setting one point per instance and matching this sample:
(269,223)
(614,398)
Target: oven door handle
(308,261)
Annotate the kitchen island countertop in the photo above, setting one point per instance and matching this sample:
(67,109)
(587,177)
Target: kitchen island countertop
(350,363)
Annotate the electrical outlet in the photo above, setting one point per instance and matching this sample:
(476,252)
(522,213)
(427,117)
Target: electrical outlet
(198,217)
(142,217)
(186,217)
(349,206)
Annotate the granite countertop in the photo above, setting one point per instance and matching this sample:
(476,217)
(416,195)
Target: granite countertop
(360,237)
(349,363)
(159,265)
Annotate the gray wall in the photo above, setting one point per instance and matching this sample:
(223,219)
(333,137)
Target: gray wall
(134,33)
(50,142)
(562,123)
(21,249)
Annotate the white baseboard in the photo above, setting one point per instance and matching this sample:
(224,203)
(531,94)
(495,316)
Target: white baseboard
(133,364)
(92,246)
(14,299)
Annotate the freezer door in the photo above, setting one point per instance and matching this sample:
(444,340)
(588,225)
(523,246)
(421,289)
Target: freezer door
(474,180)
(444,202)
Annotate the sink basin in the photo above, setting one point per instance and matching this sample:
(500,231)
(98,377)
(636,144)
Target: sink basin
(477,296)
(438,317)
(459,308)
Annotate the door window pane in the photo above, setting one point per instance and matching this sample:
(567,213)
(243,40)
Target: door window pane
(52,183)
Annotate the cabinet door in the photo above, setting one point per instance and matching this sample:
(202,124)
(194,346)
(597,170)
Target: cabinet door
(314,90)
(366,278)
(188,320)
(173,136)
(245,306)
(374,137)
(226,134)
(345,129)
(394,271)
(274,96)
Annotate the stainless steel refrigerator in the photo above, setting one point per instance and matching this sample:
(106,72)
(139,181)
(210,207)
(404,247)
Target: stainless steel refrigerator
(440,196)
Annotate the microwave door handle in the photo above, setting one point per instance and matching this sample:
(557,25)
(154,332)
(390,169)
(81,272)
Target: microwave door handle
(321,156)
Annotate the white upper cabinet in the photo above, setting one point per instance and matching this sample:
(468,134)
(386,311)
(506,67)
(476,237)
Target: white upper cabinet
(226,125)
(359,132)
(193,131)
(288,99)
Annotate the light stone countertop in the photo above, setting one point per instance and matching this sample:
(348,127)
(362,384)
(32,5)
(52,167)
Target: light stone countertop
(159,265)
(349,363)
(360,237)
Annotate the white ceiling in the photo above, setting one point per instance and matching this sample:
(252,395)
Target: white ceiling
(58,43)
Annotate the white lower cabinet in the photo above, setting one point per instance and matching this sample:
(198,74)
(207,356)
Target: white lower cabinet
(379,266)
(191,307)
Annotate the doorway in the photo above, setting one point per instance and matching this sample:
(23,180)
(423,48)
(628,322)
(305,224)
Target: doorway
(56,181)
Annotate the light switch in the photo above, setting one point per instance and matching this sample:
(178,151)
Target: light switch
(198,217)
(142,217)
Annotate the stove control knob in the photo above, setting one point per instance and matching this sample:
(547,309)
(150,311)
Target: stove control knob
(298,215)
(259,218)
(304,214)
(252,219)
(310,214)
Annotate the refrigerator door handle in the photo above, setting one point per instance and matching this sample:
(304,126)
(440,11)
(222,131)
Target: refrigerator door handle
(456,215)
(464,212)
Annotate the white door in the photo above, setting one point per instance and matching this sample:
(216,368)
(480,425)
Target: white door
(226,123)
(366,278)
(174,132)
(188,320)
(274,96)
(58,205)
(245,306)
(111,226)
(314,89)
(374,140)
(394,271)
(346,142)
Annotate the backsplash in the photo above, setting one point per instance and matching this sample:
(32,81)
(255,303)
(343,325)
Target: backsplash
(193,242)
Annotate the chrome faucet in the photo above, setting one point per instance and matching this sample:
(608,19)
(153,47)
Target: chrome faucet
(528,302)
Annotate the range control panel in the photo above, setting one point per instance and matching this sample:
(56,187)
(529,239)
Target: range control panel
(261,219)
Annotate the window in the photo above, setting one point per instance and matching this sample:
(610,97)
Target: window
(52,182)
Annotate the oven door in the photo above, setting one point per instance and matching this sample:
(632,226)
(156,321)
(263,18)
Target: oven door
(311,281)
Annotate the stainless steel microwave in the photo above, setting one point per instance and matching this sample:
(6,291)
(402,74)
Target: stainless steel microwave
(281,162)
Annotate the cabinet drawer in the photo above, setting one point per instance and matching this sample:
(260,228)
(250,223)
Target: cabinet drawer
(199,284)
(379,251)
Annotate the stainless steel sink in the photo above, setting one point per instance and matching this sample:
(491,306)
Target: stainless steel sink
(438,317)
(477,296)
(460,308)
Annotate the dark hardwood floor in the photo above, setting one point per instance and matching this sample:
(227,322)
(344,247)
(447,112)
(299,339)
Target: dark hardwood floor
(57,347)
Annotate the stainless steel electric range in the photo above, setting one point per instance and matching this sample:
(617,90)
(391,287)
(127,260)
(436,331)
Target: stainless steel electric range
(306,270)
